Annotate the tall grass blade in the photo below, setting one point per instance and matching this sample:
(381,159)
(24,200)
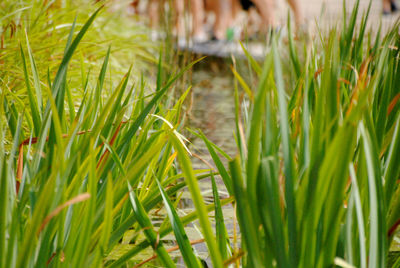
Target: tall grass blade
(392,171)
(360,217)
(290,179)
(377,244)
(198,201)
(148,230)
(221,169)
(180,234)
(246,220)
(36,79)
(36,118)
(220,228)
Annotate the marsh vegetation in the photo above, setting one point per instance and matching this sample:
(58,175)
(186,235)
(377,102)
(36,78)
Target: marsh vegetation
(97,157)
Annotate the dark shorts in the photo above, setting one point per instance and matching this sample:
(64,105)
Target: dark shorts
(246,4)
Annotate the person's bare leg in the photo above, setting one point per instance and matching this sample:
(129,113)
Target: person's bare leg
(179,16)
(197,10)
(386,6)
(298,14)
(153,9)
(236,7)
(223,14)
(266,9)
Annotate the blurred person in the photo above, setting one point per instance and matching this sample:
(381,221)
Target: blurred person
(389,6)
(153,9)
(223,10)
(197,9)
(226,11)
(156,7)
(266,10)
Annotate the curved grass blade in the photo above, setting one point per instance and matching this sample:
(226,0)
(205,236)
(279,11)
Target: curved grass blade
(254,64)
(36,118)
(220,166)
(243,84)
(163,232)
(139,120)
(151,235)
(198,201)
(220,228)
(70,49)
(180,234)
(36,79)
(149,202)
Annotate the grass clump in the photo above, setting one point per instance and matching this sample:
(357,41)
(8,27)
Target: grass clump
(83,173)
(40,30)
(315,179)
(314,183)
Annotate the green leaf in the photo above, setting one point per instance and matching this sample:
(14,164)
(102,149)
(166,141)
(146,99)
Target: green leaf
(220,229)
(290,178)
(247,224)
(147,227)
(198,201)
(180,234)
(32,101)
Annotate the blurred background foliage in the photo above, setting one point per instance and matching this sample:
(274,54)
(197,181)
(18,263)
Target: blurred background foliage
(44,26)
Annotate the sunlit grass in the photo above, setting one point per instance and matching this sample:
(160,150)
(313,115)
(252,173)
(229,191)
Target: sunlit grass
(314,179)
(41,28)
(88,156)
(82,173)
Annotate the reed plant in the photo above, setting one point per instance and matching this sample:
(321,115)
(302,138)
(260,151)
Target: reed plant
(316,177)
(314,183)
(42,28)
(83,171)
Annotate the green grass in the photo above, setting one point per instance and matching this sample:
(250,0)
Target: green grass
(88,155)
(24,25)
(314,184)
(80,172)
